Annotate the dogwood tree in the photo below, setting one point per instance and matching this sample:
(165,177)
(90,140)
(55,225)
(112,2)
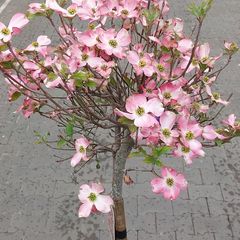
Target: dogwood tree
(133,75)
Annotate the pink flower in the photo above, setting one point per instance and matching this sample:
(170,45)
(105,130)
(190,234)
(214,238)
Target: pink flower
(90,9)
(141,64)
(17,22)
(231,47)
(228,45)
(80,58)
(185,45)
(169,93)
(90,38)
(81,145)
(92,200)
(142,111)
(53,83)
(202,52)
(230,121)
(115,43)
(150,90)
(209,133)
(189,151)
(109,8)
(189,129)
(37,8)
(128,9)
(151,134)
(167,122)
(162,66)
(28,107)
(170,184)
(202,55)
(105,68)
(215,96)
(70,12)
(175,26)
(39,45)
(163,6)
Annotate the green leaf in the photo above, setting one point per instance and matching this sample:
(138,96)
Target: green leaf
(203,66)
(7,65)
(158,151)
(61,143)
(64,70)
(3,47)
(125,121)
(151,14)
(219,142)
(158,163)
(41,138)
(165,49)
(135,154)
(51,76)
(69,129)
(140,153)
(150,160)
(91,84)
(129,81)
(81,76)
(37,134)
(113,81)
(132,128)
(15,96)
(200,11)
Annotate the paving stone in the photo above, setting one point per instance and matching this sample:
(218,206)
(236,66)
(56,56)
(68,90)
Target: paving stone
(146,222)
(18,235)
(63,188)
(135,189)
(206,236)
(230,193)
(201,191)
(159,205)
(203,163)
(44,188)
(131,206)
(162,236)
(216,177)
(181,207)
(193,175)
(224,208)
(63,219)
(204,224)
(235,225)
(221,237)
(182,224)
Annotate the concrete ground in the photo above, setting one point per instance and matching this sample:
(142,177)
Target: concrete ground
(38,198)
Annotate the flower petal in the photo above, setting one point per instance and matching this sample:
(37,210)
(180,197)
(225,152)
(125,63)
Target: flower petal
(85,209)
(103,203)
(157,185)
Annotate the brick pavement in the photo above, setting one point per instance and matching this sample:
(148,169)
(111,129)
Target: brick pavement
(38,198)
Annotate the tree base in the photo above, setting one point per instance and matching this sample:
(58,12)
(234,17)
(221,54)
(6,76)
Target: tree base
(120,221)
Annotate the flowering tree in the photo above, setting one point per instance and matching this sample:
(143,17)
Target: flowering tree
(134,75)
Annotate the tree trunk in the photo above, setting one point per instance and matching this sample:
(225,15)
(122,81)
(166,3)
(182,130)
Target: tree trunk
(120,221)
(118,173)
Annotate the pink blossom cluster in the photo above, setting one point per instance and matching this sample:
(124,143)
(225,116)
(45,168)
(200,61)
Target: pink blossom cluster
(167,78)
